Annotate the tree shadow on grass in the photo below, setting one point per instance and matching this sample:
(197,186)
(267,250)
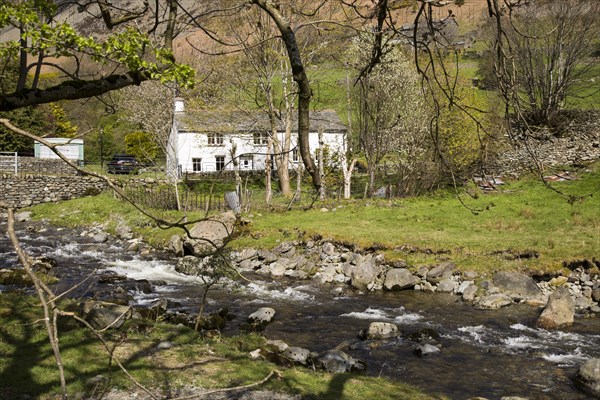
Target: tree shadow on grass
(27,364)
(335,389)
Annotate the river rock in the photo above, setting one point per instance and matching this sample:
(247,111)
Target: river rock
(266,256)
(123,231)
(422,271)
(278,268)
(263,315)
(297,355)
(23,216)
(100,314)
(596,295)
(43,264)
(560,310)
(380,330)
(210,233)
(470,292)
(424,335)
(399,278)
(356,259)
(246,254)
(100,237)
(365,273)
(286,249)
(426,349)
(328,249)
(440,272)
(494,301)
(176,246)
(189,265)
(336,361)
(518,286)
(463,286)
(276,345)
(588,377)
(447,286)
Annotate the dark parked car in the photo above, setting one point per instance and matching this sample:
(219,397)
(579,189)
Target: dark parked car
(123,164)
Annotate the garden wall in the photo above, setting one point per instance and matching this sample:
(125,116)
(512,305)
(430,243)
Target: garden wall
(17,191)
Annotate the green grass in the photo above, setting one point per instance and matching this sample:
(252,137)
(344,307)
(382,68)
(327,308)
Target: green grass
(522,216)
(27,364)
(108,210)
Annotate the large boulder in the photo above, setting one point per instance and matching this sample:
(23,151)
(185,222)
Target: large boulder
(518,286)
(588,377)
(365,273)
(102,315)
(379,331)
(447,286)
(399,278)
(440,272)
(297,355)
(263,315)
(210,233)
(336,361)
(559,311)
(176,245)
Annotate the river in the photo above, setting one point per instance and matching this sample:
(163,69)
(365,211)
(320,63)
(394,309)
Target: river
(483,352)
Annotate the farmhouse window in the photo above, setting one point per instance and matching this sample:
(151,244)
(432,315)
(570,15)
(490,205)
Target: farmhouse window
(196,164)
(215,139)
(260,137)
(246,162)
(295,155)
(220,162)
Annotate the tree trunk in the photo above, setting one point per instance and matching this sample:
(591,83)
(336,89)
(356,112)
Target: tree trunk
(347,172)
(268,167)
(304,91)
(321,166)
(371,171)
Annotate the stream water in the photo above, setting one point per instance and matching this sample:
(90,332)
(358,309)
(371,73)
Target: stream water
(484,353)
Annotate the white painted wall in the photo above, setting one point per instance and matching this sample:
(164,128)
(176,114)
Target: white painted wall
(192,145)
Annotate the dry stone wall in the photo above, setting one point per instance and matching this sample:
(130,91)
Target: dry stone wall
(32,165)
(17,192)
(578,142)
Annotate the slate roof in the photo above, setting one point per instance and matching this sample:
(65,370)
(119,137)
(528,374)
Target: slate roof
(251,121)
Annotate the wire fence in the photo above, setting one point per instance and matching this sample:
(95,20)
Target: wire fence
(165,198)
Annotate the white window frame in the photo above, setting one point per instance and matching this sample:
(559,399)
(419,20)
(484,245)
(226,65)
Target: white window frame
(260,138)
(215,139)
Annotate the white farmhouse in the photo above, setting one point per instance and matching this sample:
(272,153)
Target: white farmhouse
(207,141)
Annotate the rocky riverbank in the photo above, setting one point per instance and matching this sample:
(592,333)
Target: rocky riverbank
(343,269)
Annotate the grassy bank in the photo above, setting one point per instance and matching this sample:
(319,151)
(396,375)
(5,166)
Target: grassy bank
(518,218)
(27,365)
(485,231)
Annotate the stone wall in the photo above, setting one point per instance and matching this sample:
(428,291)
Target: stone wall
(30,190)
(577,141)
(32,165)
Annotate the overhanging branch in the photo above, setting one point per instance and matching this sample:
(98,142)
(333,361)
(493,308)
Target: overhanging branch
(71,90)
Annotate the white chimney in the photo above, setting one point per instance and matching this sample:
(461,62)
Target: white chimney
(179,105)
